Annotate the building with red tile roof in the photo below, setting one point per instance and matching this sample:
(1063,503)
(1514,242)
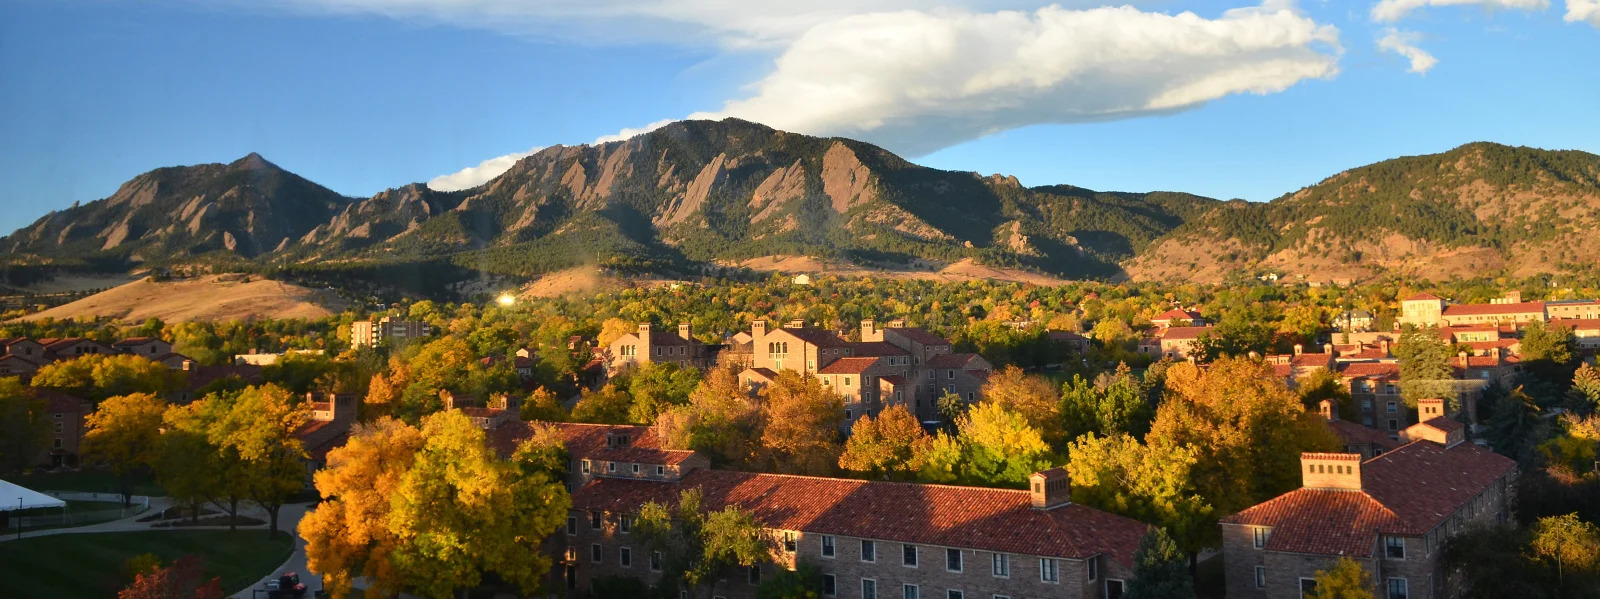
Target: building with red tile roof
(1188,318)
(979,541)
(645,346)
(1391,513)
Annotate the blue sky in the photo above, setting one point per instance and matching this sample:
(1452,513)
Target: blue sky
(361,95)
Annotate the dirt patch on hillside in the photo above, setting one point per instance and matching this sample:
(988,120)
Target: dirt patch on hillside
(211,298)
(961,270)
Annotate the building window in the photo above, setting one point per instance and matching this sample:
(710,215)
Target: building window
(1114,588)
(1094,569)
(611,467)
(661,470)
(869,588)
(869,551)
(1001,565)
(1394,547)
(1308,588)
(908,555)
(586,466)
(954,594)
(572,525)
(1394,425)
(789,541)
(595,553)
(753,575)
(952,560)
(655,561)
(827,545)
(1397,588)
(1391,407)
(1049,570)
(636,469)
(830,586)
(625,524)
(594,520)
(58,428)
(1261,577)
(911,591)
(848,413)
(1262,535)
(625,557)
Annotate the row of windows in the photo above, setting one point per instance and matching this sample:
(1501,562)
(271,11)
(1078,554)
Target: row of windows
(869,589)
(636,468)
(911,557)
(1397,588)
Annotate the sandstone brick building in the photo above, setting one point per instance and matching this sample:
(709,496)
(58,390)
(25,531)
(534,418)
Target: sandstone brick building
(645,346)
(883,539)
(366,333)
(1390,513)
(891,365)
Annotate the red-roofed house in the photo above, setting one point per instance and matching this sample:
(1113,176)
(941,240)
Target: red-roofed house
(1390,513)
(149,347)
(1586,331)
(1375,388)
(1177,317)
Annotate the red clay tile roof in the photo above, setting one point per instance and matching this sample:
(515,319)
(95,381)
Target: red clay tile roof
(1443,423)
(1356,434)
(1490,309)
(1577,323)
(1309,360)
(1183,333)
(590,441)
(920,336)
(876,348)
(1421,296)
(1408,491)
(817,337)
(951,360)
(1176,314)
(986,519)
(850,365)
(766,373)
(1283,371)
(1370,370)
(1371,353)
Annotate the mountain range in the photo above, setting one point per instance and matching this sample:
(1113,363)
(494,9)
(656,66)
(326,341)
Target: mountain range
(700,193)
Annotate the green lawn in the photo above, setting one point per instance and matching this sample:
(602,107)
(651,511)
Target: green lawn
(88,481)
(90,565)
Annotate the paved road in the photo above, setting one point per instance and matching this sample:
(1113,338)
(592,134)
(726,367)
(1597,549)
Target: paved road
(288,521)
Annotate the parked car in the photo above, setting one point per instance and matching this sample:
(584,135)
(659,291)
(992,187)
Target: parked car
(285,586)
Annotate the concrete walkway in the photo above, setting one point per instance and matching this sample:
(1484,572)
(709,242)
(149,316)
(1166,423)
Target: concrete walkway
(289,521)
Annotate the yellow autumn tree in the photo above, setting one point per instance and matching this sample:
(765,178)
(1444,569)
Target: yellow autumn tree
(125,433)
(883,447)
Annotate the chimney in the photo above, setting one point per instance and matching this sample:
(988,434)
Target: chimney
(1495,352)
(1326,408)
(684,331)
(868,329)
(1384,343)
(897,324)
(1298,349)
(1429,408)
(1050,488)
(758,330)
(797,323)
(1464,362)
(644,331)
(1331,471)
(1327,348)
(188,365)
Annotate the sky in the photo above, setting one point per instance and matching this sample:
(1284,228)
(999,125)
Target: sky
(1223,99)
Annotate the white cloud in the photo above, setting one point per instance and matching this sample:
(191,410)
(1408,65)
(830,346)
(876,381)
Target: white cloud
(1389,11)
(916,81)
(474,176)
(1583,10)
(1403,43)
(632,131)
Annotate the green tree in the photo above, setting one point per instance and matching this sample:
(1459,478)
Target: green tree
(98,376)
(1159,569)
(999,446)
(1514,425)
(1584,396)
(1571,544)
(24,426)
(1114,404)
(657,386)
(1031,396)
(259,427)
(1425,367)
(700,548)
(125,433)
(544,406)
(187,462)
(609,405)
(883,447)
(1150,484)
(1346,580)
(803,582)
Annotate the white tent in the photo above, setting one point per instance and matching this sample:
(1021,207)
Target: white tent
(13,497)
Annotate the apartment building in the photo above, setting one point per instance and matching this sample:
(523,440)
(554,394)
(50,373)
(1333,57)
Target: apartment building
(891,365)
(868,539)
(369,333)
(1391,513)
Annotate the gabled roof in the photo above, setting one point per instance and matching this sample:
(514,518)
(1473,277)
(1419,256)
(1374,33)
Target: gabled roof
(919,335)
(131,341)
(817,337)
(1176,314)
(1001,520)
(1408,491)
(876,348)
(1370,370)
(1422,296)
(848,365)
(1490,309)
(1183,333)
(1354,433)
(10,357)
